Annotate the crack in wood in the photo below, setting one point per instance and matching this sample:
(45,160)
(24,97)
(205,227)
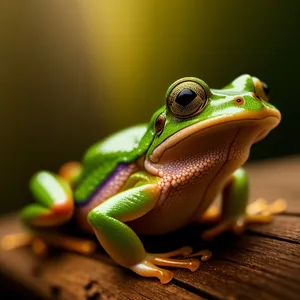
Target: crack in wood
(287,213)
(195,290)
(271,236)
(92,290)
(55,291)
(263,274)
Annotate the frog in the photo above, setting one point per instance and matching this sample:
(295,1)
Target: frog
(156,178)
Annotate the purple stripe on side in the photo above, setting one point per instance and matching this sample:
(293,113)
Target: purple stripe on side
(107,185)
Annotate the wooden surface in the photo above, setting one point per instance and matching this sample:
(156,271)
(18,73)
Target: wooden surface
(264,263)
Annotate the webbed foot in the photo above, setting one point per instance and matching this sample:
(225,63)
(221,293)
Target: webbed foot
(18,240)
(41,244)
(257,212)
(149,266)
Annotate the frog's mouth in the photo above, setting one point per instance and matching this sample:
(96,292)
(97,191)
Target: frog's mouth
(256,126)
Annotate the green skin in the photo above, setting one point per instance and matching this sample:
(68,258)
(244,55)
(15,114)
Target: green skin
(116,220)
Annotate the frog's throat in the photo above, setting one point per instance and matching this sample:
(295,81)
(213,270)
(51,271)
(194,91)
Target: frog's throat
(271,114)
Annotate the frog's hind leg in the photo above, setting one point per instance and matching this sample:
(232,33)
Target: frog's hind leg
(54,207)
(236,214)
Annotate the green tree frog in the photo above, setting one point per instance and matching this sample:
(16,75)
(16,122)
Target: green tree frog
(156,178)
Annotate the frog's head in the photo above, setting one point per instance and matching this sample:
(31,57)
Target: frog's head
(196,116)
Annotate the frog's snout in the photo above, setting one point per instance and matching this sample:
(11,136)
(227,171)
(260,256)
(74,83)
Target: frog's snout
(268,119)
(271,112)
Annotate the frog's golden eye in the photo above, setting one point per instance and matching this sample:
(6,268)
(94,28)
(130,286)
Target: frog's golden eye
(187,99)
(261,89)
(160,124)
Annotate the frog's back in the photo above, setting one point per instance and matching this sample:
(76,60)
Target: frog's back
(109,157)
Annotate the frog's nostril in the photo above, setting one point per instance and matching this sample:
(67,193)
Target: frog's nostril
(239,100)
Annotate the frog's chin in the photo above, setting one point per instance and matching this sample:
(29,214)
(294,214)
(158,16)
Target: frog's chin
(213,133)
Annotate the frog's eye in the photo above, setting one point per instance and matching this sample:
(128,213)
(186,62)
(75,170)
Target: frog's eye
(186,99)
(261,89)
(160,124)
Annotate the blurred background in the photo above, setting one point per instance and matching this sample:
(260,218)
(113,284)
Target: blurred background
(73,72)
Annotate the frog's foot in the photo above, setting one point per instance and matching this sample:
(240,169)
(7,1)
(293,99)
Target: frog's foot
(257,212)
(70,243)
(41,244)
(149,266)
(16,240)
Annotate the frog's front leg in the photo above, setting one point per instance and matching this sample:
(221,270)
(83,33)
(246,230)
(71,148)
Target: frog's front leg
(122,243)
(235,214)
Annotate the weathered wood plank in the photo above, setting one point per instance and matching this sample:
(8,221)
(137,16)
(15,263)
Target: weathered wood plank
(283,227)
(262,264)
(71,276)
(248,267)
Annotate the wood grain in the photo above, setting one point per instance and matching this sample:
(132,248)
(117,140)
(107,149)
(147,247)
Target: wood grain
(72,276)
(267,268)
(264,263)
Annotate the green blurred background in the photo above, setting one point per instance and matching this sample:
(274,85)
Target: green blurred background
(74,71)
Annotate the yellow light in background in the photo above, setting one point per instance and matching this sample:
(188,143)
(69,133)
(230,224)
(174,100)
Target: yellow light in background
(137,48)
(116,44)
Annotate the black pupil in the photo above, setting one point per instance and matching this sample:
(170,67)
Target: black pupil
(185,97)
(266,88)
